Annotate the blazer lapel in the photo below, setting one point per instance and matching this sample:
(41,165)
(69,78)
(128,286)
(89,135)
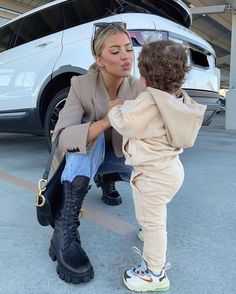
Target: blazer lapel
(101,98)
(125,93)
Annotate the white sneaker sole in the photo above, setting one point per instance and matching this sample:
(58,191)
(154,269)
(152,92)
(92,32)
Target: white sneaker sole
(161,287)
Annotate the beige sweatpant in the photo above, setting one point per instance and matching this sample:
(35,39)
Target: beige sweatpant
(151,194)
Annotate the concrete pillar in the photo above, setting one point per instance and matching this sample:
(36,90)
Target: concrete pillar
(230,115)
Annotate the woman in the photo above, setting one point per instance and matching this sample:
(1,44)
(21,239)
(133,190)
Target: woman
(88,140)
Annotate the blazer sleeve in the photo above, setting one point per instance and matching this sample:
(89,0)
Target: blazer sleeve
(74,133)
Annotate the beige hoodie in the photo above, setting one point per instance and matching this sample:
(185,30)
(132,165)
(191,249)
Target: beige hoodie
(156,126)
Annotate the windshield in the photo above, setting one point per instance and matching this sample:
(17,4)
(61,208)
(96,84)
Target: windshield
(174,10)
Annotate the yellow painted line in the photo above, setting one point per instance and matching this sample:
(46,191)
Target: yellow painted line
(108,222)
(30,187)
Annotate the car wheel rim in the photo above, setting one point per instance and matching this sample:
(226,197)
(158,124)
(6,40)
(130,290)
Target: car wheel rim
(54,116)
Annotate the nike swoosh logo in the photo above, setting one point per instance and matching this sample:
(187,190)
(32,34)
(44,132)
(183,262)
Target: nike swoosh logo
(150,280)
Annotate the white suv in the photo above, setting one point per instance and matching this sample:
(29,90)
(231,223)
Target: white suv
(41,50)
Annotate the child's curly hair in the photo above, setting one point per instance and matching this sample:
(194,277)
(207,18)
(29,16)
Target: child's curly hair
(164,65)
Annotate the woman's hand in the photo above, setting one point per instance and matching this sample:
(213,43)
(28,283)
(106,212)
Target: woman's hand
(103,124)
(111,104)
(115,102)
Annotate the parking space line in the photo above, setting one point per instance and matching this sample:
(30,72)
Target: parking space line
(30,187)
(108,222)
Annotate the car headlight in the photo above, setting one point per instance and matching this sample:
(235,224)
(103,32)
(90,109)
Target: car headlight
(142,37)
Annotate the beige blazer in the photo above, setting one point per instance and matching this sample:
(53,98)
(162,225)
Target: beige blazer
(87,101)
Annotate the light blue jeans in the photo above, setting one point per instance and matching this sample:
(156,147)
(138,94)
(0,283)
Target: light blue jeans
(100,159)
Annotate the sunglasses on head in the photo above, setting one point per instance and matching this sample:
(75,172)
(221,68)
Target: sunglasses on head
(99,25)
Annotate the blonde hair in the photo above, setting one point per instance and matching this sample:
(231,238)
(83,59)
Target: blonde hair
(100,36)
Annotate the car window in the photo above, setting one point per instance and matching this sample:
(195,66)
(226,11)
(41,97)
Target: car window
(40,24)
(78,12)
(7,33)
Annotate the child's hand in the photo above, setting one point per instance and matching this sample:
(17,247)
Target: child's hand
(115,102)
(111,104)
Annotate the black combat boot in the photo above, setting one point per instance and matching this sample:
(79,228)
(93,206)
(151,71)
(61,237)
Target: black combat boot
(110,195)
(73,263)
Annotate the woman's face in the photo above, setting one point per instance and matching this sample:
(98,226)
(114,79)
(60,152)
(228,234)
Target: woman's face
(117,56)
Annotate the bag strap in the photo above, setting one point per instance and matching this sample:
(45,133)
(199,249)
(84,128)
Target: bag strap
(49,163)
(40,199)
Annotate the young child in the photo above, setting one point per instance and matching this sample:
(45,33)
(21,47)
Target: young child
(156,126)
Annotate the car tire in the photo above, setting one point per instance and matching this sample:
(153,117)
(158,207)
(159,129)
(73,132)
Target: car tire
(52,113)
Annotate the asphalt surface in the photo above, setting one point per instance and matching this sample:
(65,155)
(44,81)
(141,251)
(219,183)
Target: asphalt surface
(201,223)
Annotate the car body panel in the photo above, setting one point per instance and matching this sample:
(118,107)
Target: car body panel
(32,73)
(24,69)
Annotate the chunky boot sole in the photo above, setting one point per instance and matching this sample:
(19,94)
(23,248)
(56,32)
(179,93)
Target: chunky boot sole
(68,276)
(111,201)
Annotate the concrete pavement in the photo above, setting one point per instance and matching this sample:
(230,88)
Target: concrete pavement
(201,223)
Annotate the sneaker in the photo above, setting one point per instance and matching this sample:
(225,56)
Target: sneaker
(140,235)
(142,279)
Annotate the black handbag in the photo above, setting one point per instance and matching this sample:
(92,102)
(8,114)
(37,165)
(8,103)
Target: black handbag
(49,198)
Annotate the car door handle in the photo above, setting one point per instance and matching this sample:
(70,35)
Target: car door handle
(44,44)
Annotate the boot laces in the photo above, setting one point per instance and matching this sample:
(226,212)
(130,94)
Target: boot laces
(73,220)
(73,209)
(109,187)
